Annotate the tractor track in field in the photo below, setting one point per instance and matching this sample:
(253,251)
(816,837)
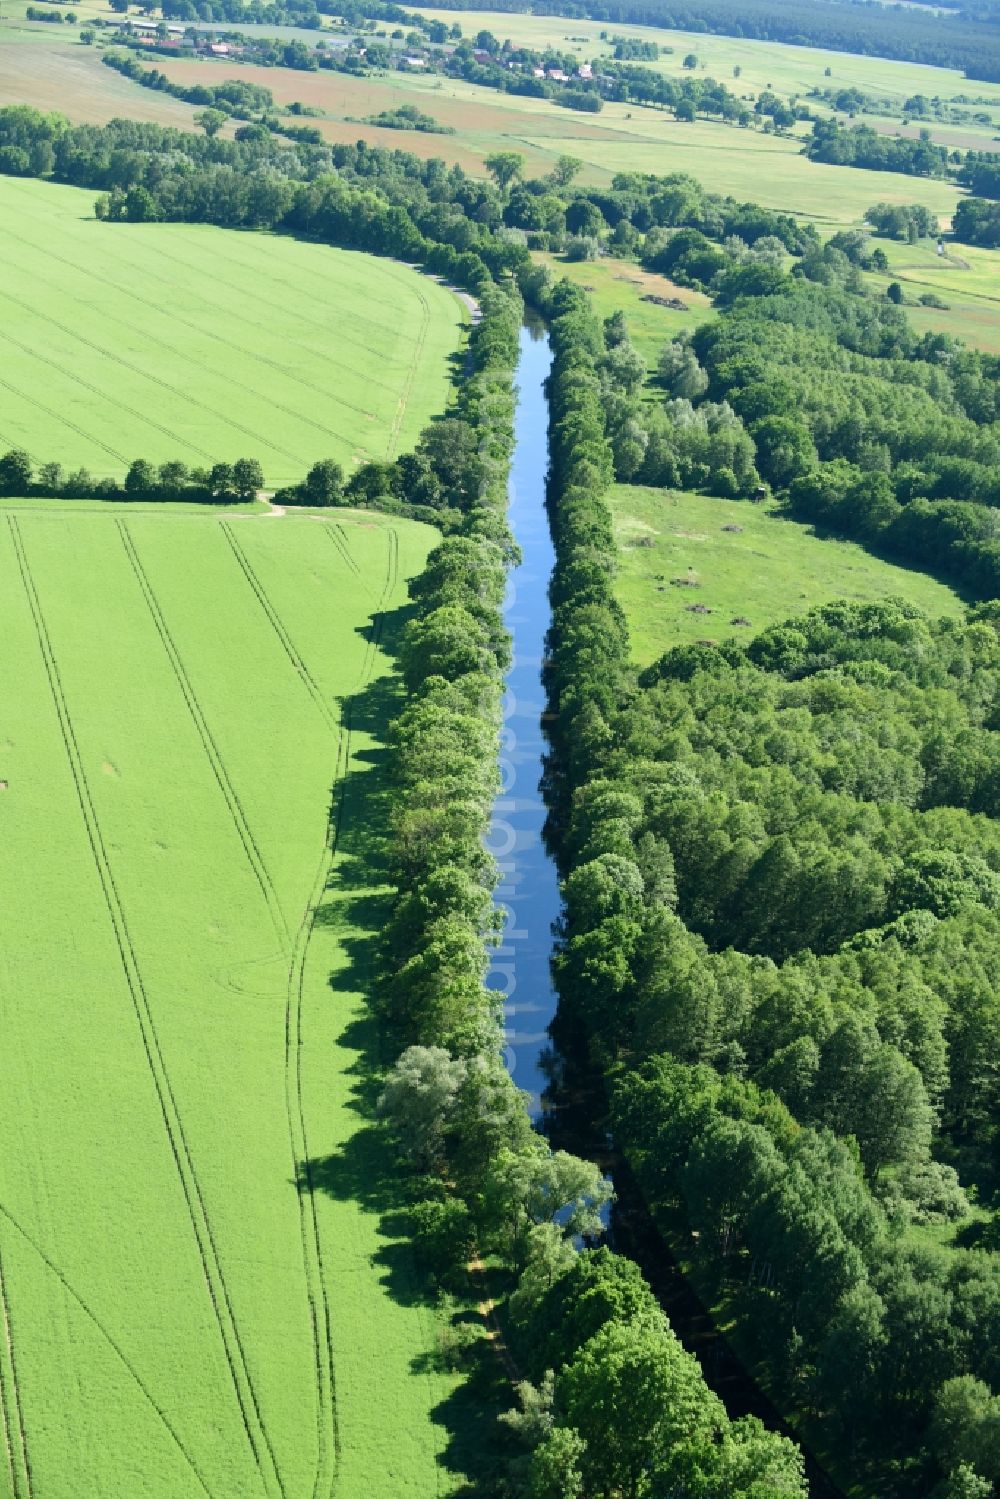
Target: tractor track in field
(115,1347)
(411,374)
(302,271)
(102,395)
(215,758)
(15,1441)
(295,1005)
(297,314)
(338,536)
(254,272)
(218,1291)
(314,1270)
(287,645)
(64,420)
(328,1432)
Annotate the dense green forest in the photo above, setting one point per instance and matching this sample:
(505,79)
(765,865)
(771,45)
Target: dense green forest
(781,883)
(977,222)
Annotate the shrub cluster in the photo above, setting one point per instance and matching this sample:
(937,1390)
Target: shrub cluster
(861,146)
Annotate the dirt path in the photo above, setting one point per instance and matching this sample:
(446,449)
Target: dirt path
(487,1310)
(266,497)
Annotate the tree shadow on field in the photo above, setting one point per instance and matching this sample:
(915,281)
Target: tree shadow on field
(365,1169)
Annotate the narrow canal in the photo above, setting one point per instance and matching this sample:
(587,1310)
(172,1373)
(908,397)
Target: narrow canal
(528,895)
(528,892)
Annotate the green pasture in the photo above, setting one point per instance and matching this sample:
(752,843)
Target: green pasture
(676,561)
(162,341)
(202,1293)
(745,164)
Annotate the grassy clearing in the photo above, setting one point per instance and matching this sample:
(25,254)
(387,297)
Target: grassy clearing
(185,341)
(769,570)
(622,285)
(966,278)
(183,1319)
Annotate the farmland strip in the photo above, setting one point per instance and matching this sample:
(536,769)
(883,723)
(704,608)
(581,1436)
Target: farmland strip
(294,1041)
(126,364)
(177,391)
(215,1282)
(212,752)
(199,327)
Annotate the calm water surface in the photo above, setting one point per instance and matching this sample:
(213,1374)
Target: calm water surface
(529,888)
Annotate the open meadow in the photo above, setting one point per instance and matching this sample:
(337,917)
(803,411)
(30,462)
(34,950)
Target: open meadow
(200,1293)
(164,341)
(692,567)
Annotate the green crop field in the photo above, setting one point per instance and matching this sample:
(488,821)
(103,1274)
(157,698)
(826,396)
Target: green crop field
(682,577)
(199,1293)
(160,341)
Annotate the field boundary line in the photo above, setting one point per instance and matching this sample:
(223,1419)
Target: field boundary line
(215,758)
(301,669)
(201,1226)
(112,1343)
(15,1440)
